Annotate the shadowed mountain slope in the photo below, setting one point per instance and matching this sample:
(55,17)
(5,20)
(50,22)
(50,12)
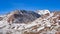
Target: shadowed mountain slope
(22,16)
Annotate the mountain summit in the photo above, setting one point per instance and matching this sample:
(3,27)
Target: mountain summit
(42,12)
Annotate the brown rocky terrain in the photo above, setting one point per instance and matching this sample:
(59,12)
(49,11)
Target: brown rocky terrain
(48,23)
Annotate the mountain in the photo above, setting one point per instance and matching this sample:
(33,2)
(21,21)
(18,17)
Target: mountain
(29,22)
(22,16)
(42,12)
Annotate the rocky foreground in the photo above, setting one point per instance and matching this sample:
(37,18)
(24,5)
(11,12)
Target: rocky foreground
(25,22)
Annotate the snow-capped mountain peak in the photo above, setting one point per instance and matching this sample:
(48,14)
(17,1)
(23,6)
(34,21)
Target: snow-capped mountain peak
(18,22)
(42,12)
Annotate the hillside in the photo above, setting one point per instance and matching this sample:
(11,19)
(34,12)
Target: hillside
(29,22)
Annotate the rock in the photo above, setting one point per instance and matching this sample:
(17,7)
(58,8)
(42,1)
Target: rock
(57,33)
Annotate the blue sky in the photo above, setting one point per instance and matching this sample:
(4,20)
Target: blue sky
(10,5)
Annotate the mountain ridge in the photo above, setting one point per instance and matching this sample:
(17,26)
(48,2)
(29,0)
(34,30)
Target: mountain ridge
(47,23)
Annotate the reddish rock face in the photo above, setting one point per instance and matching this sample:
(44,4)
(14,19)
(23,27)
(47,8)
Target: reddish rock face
(45,16)
(56,13)
(11,17)
(59,17)
(57,33)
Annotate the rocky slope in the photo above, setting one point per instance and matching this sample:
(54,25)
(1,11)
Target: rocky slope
(47,23)
(22,16)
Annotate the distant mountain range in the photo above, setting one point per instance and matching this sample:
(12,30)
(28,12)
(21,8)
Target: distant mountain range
(30,22)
